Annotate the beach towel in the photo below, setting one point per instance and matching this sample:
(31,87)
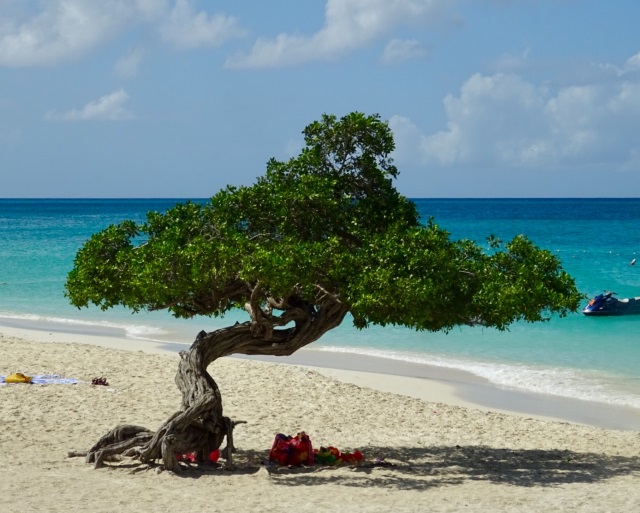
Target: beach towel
(47,379)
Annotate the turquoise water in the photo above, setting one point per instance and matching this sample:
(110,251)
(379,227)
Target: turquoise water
(580,357)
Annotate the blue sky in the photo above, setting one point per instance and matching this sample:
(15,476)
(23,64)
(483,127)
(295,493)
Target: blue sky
(178,98)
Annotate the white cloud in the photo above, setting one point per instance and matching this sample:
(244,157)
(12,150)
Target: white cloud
(349,25)
(128,65)
(513,63)
(401,50)
(630,67)
(634,61)
(66,29)
(494,118)
(505,121)
(188,29)
(61,30)
(107,108)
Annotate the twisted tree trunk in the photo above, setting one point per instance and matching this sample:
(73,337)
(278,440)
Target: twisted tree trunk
(199,426)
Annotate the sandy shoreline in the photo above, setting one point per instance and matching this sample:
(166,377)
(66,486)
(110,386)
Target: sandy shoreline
(426,382)
(459,388)
(445,457)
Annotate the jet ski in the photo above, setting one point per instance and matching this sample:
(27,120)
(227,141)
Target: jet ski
(606,304)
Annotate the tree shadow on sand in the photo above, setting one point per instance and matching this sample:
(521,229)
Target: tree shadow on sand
(404,468)
(423,468)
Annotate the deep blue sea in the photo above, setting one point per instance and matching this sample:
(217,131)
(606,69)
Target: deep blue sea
(580,357)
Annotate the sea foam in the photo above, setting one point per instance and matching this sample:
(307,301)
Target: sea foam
(564,382)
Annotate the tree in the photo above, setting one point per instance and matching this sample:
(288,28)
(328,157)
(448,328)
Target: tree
(318,237)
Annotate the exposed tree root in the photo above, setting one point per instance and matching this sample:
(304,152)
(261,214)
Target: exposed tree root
(199,426)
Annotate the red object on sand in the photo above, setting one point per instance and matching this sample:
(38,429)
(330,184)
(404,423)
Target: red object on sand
(214,456)
(288,450)
(332,456)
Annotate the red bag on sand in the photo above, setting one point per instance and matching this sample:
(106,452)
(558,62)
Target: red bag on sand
(287,450)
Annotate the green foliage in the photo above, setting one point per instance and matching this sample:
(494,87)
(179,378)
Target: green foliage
(325,225)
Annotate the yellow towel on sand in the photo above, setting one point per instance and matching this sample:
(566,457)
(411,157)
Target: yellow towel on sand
(17,377)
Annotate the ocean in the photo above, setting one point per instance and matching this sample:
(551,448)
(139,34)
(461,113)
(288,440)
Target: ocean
(579,357)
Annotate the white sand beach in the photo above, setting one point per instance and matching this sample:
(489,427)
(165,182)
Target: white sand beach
(444,452)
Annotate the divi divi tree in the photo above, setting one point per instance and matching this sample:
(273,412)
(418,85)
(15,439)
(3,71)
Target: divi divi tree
(316,240)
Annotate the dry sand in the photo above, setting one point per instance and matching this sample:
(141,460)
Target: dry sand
(444,457)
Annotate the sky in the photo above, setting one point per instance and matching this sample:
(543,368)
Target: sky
(180,98)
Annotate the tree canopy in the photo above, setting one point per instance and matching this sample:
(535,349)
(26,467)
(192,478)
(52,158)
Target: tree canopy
(327,224)
(316,238)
